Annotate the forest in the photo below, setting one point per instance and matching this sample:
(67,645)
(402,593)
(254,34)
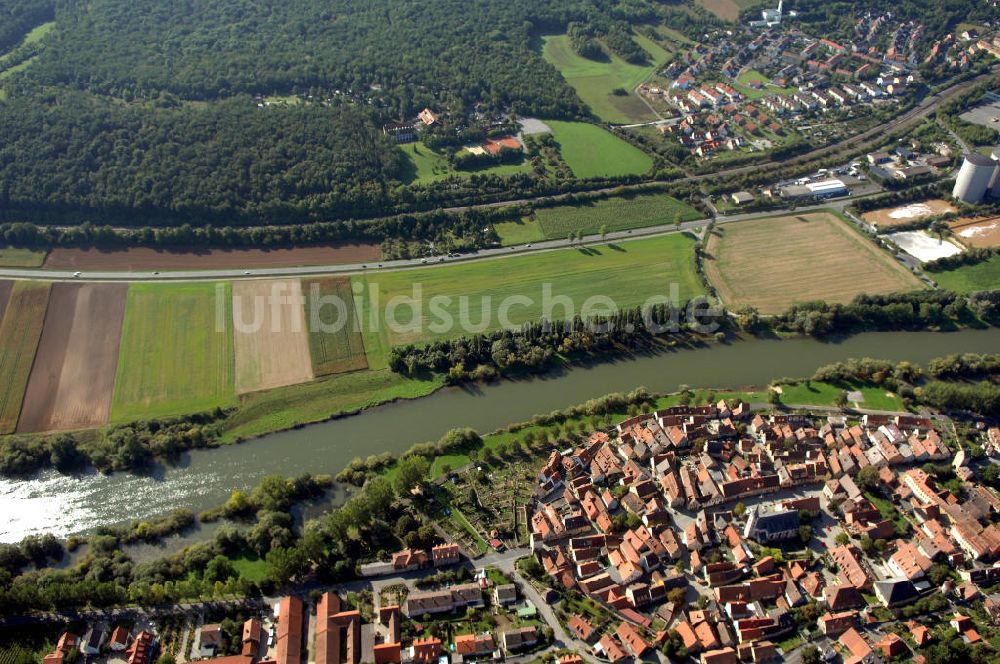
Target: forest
(156,113)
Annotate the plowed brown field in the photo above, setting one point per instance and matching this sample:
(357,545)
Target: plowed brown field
(73,378)
(143,258)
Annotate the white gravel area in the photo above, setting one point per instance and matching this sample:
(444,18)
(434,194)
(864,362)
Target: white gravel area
(922,246)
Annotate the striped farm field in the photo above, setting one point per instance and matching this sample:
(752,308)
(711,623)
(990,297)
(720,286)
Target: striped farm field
(473,296)
(618,213)
(176,353)
(73,378)
(335,341)
(20,330)
(775,262)
(271,339)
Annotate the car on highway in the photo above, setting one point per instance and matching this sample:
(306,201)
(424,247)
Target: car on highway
(76,275)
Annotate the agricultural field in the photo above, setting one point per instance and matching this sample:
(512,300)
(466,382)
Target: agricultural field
(5,289)
(146,258)
(970,278)
(73,378)
(13,257)
(595,81)
(883,218)
(521,231)
(176,352)
(424,166)
(980,232)
(818,257)
(473,295)
(20,332)
(591,151)
(337,351)
(618,214)
(270,335)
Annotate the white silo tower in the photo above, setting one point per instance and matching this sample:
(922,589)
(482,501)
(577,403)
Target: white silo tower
(974,178)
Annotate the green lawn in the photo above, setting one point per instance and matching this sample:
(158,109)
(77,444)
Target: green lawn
(818,393)
(743,84)
(519,232)
(250,567)
(423,166)
(970,278)
(13,257)
(591,151)
(618,213)
(284,407)
(461,299)
(176,353)
(594,81)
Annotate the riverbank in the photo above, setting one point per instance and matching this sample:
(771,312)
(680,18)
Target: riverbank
(201,479)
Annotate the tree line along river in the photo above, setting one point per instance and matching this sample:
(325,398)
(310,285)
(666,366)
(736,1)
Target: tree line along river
(64,505)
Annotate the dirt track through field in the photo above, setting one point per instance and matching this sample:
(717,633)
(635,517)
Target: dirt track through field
(272,341)
(144,258)
(5,288)
(73,377)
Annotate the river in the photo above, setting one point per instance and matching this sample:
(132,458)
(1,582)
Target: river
(65,505)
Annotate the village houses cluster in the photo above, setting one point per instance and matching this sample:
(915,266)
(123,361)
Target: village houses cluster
(659,503)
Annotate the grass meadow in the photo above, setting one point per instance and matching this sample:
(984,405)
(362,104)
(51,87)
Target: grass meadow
(618,213)
(970,278)
(20,332)
(591,151)
(424,166)
(594,81)
(630,272)
(24,258)
(521,231)
(173,358)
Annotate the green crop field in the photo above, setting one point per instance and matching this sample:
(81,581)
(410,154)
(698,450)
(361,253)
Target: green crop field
(618,214)
(594,81)
(629,273)
(285,407)
(176,353)
(12,257)
(20,332)
(970,278)
(423,166)
(519,232)
(591,151)
(341,350)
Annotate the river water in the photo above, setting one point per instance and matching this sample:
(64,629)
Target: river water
(65,505)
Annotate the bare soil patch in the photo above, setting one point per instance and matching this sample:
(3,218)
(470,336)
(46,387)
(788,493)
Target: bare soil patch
(5,288)
(901,215)
(144,258)
(980,232)
(271,337)
(73,378)
(773,263)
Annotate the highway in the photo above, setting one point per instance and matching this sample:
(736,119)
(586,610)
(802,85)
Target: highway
(847,148)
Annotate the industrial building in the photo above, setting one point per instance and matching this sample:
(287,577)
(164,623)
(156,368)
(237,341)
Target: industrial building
(832,188)
(977,175)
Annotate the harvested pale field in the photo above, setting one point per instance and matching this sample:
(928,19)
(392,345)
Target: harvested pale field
(773,263)
(5,288)
(727,10)
(980,232)
(144,258)
(335,342)
(905,214)
(73,379)
(20,331)
(271,338)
